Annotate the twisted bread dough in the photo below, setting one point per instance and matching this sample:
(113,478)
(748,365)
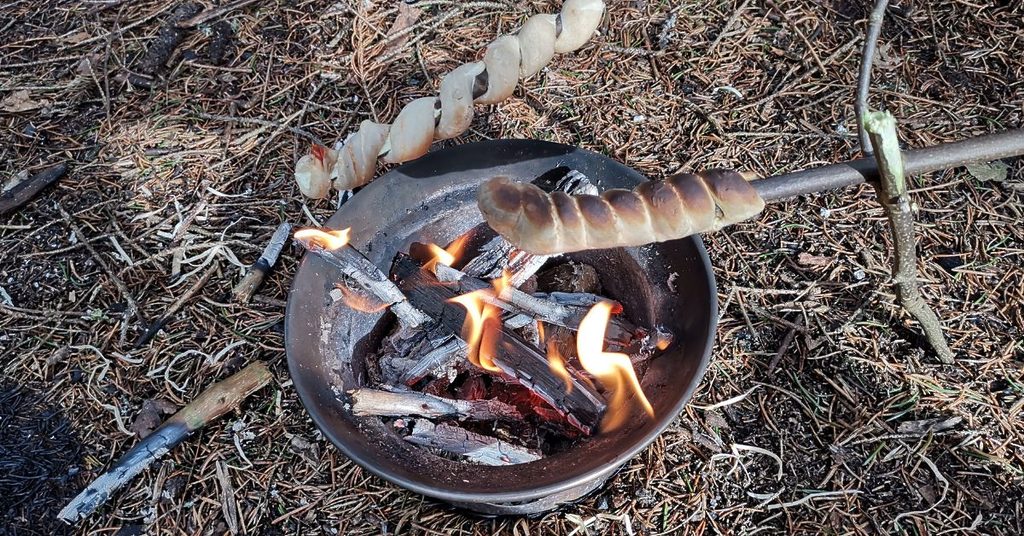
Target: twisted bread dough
(489,81)
(655,211)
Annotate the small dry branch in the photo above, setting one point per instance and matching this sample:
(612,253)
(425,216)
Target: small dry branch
(25,190)
(410,403)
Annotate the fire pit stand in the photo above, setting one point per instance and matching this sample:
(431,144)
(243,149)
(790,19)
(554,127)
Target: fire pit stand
(433,199)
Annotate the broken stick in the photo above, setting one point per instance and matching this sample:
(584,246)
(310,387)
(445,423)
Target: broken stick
(25,190)
(516,358)
(892,194)
(159,324)
(215,401)
(245,288)
(367,401)
(475,447)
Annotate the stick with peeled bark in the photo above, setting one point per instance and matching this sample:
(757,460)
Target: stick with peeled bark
(367,401)
(245,288)
(518,359)
(211,404)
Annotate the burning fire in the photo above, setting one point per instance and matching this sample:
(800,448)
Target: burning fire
(482,328)
(325,239)
(613,369)
(358,301)
(446,256)
(555,361)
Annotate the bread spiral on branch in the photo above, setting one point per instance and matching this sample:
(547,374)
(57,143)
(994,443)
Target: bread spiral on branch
(548,223)
(423,120)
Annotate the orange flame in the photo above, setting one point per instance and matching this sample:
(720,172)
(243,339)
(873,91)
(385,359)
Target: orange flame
(359,302)
(613,369)
(555,361)
(446,256)
(482,328)
(327,239)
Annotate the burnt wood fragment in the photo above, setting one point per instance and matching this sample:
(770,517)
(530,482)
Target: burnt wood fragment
(581,405)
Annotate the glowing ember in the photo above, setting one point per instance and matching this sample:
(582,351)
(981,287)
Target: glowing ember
(358,301)
(446,256)
(613,369)
(328,239)
(481,329)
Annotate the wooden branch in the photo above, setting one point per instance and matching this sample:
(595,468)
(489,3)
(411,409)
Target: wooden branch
(581,405)
(620,331)
(892,194)
(475,447)
(245,288)
(366,402)
(358,268)
(25,190)
(867,60)
(499,254)
(159,324)
(215,401)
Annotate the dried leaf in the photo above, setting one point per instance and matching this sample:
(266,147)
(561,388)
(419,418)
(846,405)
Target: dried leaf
(407,17)
(812,261)
(21,101)
(989,171)
(150,416)
(76,38)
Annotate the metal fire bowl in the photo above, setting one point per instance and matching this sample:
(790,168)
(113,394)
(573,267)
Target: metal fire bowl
(433,199)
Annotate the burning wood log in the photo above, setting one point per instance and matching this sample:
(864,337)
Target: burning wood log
(410,403)
(475,447)
(359,269)
(516,358)
(500,255)
(620,332)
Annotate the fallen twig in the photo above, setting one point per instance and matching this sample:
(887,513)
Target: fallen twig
(211,14)
(215,401)
(25,190)
(156,326)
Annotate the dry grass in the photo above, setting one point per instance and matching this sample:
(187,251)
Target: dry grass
(764,86)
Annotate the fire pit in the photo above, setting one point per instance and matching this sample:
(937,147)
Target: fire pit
(433,200)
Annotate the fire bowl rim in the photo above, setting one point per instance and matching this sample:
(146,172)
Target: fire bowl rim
(309,393)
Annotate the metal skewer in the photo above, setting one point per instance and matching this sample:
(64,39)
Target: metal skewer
(916,162)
